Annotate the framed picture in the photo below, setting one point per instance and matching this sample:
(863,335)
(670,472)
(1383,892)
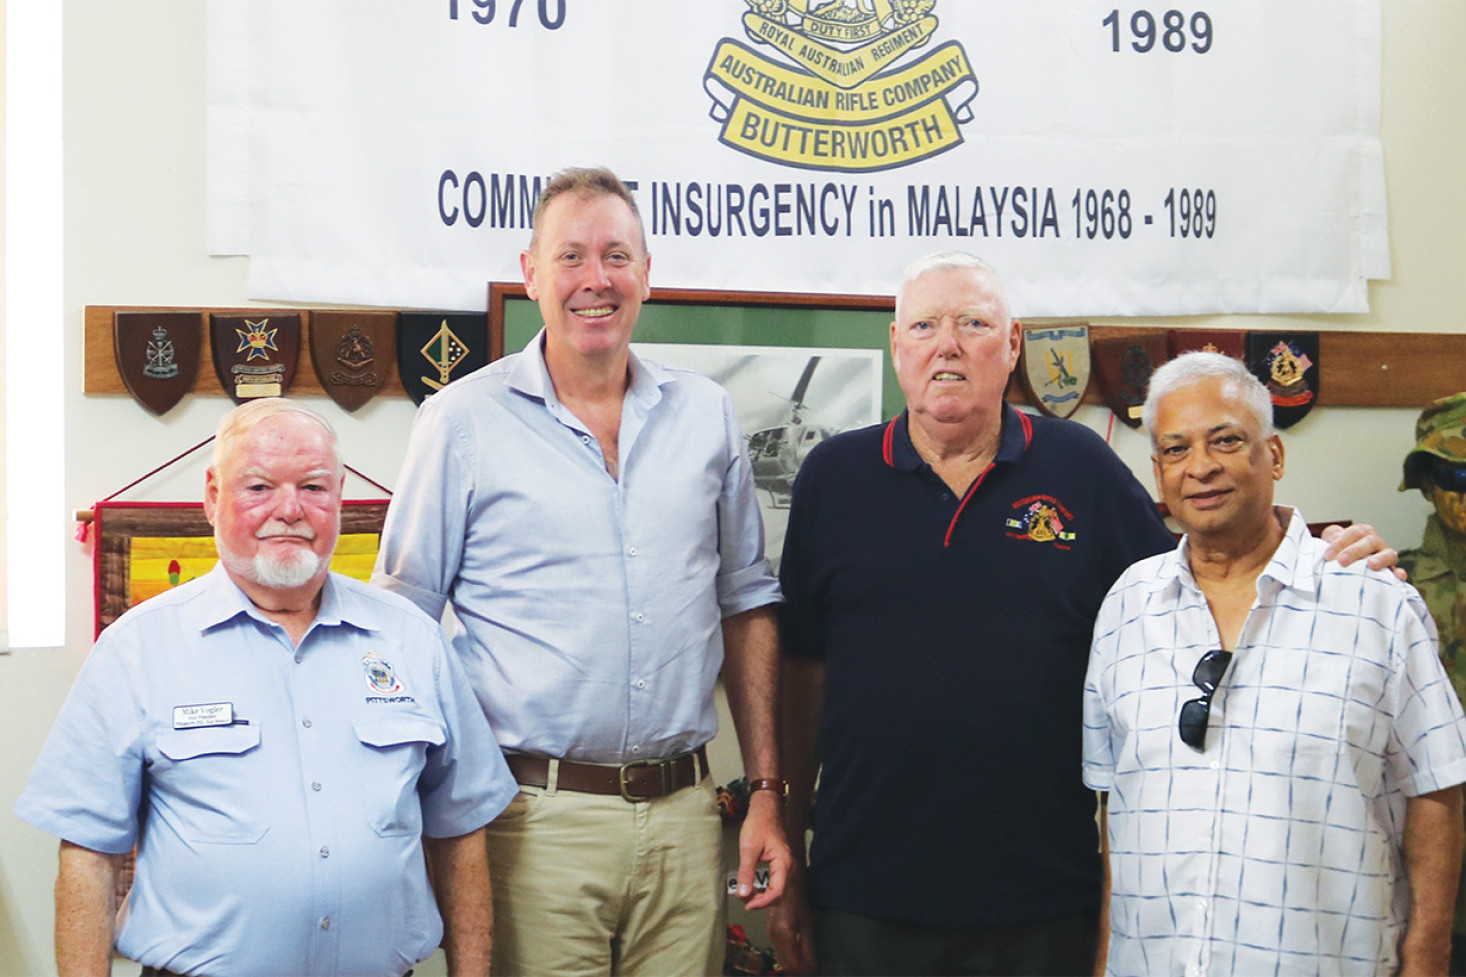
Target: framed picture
(144,548)
(694,317)
(799,368)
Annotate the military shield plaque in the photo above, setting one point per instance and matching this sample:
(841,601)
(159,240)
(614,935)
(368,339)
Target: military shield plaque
(1287,364)
(158,355)
(1124,365)
(1228,342)
(436,348)
(1055,372)
(353,353)
(255,355)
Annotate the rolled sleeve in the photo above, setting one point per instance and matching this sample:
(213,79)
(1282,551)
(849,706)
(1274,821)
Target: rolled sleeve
(423,538)
(745,579)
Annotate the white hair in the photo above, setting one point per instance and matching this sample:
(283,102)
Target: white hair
(941,260)
(247,415)
(1189,368)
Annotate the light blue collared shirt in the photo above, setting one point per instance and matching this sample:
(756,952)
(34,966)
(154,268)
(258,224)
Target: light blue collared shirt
(277,794)
(590,606)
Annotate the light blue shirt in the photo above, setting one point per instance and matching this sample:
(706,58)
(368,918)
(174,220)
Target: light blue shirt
(590,606)
(289,840)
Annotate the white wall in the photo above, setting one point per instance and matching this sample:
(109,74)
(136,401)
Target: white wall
(134,198)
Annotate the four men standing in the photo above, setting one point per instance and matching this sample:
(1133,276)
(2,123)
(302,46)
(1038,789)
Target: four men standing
(590,517)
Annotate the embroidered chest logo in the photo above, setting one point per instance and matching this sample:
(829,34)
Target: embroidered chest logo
(382,680)
(1042,519)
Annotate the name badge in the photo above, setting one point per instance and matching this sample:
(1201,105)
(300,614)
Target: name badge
(205,714)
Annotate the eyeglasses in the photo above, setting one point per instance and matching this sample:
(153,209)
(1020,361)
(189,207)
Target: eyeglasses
(1196,712)
(1448,476)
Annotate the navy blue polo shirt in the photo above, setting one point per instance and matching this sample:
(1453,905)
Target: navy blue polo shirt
(955,632)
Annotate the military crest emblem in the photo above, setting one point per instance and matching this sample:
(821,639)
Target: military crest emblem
(1287,364)
(436,348)
(353,353)
(158,355)
(839,84)
(255,355)
(1041,519)
(1124,365)
(381,679)
(1056,367)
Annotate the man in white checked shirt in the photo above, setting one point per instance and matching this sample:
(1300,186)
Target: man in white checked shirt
(1281,747)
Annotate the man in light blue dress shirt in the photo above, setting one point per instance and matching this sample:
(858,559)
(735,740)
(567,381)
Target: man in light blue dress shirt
(591,518)
(281,744)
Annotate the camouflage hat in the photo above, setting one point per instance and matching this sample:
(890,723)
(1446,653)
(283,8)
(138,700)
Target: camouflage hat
(1440,431)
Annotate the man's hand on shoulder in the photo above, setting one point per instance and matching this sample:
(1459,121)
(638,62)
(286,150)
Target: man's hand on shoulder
(1360,542)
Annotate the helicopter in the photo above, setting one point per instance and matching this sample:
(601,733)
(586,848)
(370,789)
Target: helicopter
(777,452)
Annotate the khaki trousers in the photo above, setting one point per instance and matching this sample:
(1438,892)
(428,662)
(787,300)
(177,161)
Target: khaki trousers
(588,884)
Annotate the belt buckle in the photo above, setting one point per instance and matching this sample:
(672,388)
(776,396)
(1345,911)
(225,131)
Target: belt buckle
(665,766)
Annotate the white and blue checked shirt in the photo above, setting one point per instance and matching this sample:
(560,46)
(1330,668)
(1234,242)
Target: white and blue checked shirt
(1277,849)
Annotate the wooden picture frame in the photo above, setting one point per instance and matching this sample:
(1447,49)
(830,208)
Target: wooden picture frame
(696,316)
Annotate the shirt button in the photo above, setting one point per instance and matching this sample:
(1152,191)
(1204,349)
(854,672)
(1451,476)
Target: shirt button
(631,551)
(1215,764)
(326,923)
(325,852)
(306,722)
(636,749)
(315,785)
(640,617)
(297,659)
(585,439)
(946,496)
(641,683)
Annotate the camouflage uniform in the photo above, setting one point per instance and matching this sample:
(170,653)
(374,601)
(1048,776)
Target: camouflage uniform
(1438,568)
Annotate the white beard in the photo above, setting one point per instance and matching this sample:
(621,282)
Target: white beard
(278,571)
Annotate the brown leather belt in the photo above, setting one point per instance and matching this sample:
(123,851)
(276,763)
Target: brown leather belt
(638,780)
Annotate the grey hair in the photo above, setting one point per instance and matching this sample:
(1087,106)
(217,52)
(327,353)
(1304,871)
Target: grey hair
(1189,368)
(941,260)
(243,418)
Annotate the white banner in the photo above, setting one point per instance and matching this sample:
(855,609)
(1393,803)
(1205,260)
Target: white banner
(1136,160)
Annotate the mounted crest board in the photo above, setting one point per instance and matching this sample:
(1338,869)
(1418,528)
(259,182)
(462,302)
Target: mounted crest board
(354,353)
(158,355)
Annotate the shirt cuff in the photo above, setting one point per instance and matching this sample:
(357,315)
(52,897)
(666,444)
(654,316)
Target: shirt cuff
(746,589)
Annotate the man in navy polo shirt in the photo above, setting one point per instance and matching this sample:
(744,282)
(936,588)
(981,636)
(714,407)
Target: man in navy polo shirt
(942,573)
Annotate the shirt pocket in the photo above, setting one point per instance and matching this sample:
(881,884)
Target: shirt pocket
(397,749)
(211,783)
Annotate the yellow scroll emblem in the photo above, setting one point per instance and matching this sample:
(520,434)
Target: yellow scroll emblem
(829,94)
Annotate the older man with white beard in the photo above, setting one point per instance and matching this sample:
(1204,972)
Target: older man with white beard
(289,751)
